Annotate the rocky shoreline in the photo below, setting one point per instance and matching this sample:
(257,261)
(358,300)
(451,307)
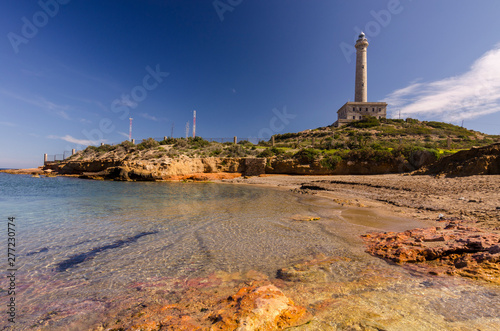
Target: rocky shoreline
(458,235)
(462,213)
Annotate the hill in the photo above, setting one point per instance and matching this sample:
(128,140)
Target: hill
(368,146)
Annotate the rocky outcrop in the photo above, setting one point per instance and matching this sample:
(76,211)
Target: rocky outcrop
(475,161)
(295,167)
(451,249)
(257,308)
(158,169)
(418,159)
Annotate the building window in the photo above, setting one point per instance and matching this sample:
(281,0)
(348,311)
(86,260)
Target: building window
(380,109)
(354,117)
(373,109)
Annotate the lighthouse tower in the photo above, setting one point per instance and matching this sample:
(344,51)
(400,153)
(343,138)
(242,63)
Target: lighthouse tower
(360,108)
(361,89)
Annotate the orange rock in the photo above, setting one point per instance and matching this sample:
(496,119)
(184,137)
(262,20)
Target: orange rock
(456,250)
(257,308)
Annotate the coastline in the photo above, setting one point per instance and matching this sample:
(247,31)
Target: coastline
(361,291)
(474,199)
(341,292)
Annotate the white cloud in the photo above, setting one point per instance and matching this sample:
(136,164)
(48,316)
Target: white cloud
(8,124)
(124,101)
(77,141)
(153,118)
(123,134)
(473,94)
(59,110)
(149,117)
(84,121)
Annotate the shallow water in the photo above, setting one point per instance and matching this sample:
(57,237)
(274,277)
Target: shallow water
(83,245)
(96,238)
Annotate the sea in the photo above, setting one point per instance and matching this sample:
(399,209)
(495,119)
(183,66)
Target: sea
(83,245)
(77,239)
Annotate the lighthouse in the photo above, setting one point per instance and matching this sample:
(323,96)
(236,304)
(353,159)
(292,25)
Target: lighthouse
(361,88)
(360,108)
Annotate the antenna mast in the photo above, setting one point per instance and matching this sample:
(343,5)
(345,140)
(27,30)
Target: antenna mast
(194,123)
(130,130)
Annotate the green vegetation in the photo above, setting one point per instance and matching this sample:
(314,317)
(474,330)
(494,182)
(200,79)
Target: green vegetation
(367,140)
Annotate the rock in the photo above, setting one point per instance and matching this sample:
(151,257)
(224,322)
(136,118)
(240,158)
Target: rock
(257,308)
(475,161)
(421,158)
(456,249)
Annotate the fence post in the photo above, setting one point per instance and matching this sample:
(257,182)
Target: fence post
(44,159)
(448,141)
(235,140)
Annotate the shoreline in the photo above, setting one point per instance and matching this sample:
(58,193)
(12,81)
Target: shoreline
(474,199)
(359,291)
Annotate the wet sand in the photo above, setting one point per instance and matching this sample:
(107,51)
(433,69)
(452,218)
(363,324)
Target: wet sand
(473,198)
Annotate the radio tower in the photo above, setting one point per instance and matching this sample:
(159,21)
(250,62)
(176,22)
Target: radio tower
(130,130)
(194,123)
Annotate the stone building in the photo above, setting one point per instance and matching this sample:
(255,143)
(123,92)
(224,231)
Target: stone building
(352,111)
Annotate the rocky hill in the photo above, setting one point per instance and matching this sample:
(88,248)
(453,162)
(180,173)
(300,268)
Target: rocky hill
(368,146)
(475,161)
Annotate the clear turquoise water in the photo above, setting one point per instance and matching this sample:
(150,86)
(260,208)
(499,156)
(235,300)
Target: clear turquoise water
(89,239)
(85,246)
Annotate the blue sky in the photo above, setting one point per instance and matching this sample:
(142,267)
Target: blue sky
(73,71)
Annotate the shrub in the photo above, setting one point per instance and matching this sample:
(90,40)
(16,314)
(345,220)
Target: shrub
(235,151)
(245,143)
(147,144)
(369,155)
(198,142)
(216,152)
(266,153)
(180,143)
(168,141)
(126,144)
(365,122)
(285,136)
(306,155)
(331,161)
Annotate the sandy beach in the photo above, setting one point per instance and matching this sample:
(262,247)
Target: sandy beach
(475,199)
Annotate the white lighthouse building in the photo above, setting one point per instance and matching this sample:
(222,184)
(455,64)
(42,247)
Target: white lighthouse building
(353,111)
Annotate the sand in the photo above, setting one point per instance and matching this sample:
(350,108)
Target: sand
(475,199)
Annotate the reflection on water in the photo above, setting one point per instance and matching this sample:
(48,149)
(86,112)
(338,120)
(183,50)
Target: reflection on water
(90,239)
(83,245)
